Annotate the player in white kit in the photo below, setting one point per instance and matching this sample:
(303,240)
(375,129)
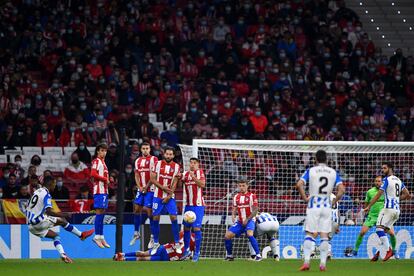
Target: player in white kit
(322,180)
(41,218)
(267,224)
(395,191)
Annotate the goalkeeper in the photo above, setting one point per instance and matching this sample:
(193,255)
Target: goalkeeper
(372,217)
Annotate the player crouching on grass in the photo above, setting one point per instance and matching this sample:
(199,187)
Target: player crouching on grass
(41,218)
(246,206)
(267,224)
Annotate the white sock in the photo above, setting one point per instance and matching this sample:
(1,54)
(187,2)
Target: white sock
(136,233)
(58,245)
(274,245)
(323,248)
(330,248)
(102,237)
(308,247)
(251,249)
(74,230)
(98,237)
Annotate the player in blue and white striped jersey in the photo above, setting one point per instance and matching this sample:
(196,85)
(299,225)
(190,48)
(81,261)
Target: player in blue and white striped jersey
(267,224)
(394,190)
(322,180)
(41,218)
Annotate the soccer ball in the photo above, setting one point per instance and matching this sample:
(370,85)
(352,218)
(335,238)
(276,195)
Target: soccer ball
(189,216)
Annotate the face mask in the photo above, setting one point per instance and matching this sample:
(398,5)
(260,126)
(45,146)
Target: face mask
(359,113)
(319,115)
(163,145)
(283,120)
(28,105)
(100,117)
(334,129)
(55,113)
(55,85)
(193,109)
(291,129)
(301,81)
(14,111)
(104,104)
(277,112)
(283,78)
(128,171)
(397,78)
(59,184)
(258,113)
(227,105)
(282,55)
(252,71)
(214,112)
(173,129)
(81,147)
(275,70)
(215,134)
(310,122)
(83,107)
(244,123)
(341,54)
(297,69)
(373,104)
(326,55)
(318,79)
(72,129)
(79,69)
(366,122)
(167,87)
(90,129)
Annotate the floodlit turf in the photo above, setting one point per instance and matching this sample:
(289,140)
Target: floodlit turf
(204,267)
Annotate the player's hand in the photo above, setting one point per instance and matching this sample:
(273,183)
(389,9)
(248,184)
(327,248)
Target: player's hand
(307,199)
(167,190)
(179,175)
(233,219)
(165,200)
(192,174)
(245,222)
(366,210)
(108,181)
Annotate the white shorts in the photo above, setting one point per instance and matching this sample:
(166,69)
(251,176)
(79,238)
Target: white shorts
(334,228)
(40,229)
(318,220)
(267,227)
(387,217)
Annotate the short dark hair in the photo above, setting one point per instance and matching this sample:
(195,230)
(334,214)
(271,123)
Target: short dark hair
(389,164)
(171,149)
(321,156)
(12,175)
(144,144)
(99,147)
(48,180)
(84,188)
(195,159)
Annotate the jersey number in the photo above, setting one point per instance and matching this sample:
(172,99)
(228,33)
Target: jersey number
(324,181)
(397,190)
(33,201)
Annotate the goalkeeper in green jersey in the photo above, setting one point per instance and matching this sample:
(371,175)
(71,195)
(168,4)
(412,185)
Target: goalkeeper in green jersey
(372,217)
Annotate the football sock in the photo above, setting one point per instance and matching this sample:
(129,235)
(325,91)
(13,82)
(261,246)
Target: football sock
(393,241)
(137,222)
(58,245)
(187,237)
(358,242)
(176,230)
(99,224)
(229,247)
(274,245)
(156,230)
(308,246)
(383,237)
(323,248)
(70,228)
(254,244)
(198,238)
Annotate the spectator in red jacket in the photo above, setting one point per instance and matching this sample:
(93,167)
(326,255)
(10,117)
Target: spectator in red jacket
(76,171)
(259,121)
(45,137)
(71,137)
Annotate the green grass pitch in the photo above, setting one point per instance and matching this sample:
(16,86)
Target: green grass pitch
(203,267)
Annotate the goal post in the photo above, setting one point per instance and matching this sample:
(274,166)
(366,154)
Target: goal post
(273,167)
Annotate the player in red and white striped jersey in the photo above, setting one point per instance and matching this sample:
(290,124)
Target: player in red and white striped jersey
(194,181)
(145,193)
(245,206)
(165,178)
(100,178)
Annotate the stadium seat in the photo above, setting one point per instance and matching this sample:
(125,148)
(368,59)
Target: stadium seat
(68,150)
(32,151)
(91,150)
(52,151)
(3,159)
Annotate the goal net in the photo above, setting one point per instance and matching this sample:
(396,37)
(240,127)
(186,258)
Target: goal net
(273,167)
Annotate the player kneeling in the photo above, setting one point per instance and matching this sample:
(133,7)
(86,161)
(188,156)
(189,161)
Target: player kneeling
(268,225)
(41,219)
(165,253)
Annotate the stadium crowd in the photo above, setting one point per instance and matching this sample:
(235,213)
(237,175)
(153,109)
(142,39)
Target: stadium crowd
(75,72)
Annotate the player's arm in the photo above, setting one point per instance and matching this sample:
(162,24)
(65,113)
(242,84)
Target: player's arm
(173,187)
(156,183)
(300,186)
(138,181)
(367,200)
(373,200)
(340,192)
(405,194)
(252,215)
(95,174)
(234,214)
(51,213)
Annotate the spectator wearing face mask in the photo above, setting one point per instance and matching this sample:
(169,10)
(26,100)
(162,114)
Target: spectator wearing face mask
(37,161)
(60,192)
(83,153)
(112,158)
(18,171)
(171,136)
(45,137)
(129,176)
(76,171)
(259,121)
(71,136)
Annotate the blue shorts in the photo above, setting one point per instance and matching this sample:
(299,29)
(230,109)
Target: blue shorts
(100,201)
(159,208)
(199,211)
(160,255)
(144,199)
(237,228)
